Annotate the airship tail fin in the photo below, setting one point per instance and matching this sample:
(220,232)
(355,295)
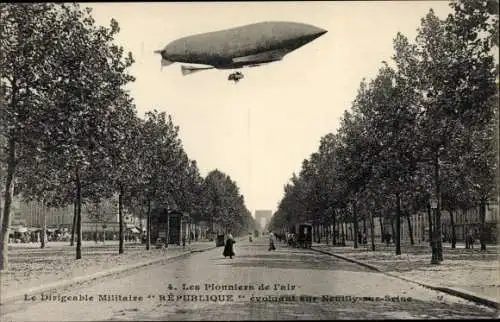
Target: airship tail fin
(187,70)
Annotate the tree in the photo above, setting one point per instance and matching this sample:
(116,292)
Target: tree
(456,78)
(355,167)
(225,207)
(59,93)
(121,146)
(192,200)
(474,25)
(389,112)
(421,129)
(24,75)
(159,156)
(91,73)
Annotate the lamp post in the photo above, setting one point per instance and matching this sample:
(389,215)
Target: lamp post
(434,241)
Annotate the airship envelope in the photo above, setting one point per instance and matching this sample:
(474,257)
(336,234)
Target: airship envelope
(249,45)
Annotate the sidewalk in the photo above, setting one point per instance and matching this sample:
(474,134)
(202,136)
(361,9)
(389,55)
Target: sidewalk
(467,273)
(32,269)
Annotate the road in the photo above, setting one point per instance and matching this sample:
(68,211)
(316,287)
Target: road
(287,284)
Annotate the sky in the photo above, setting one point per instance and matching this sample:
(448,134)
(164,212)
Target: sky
(259,130)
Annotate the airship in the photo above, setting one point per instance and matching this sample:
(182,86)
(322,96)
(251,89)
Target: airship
(245,46)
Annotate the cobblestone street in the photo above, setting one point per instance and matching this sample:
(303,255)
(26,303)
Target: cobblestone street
(255,285)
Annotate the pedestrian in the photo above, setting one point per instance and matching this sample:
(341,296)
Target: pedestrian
(271,241)
(228,247)
(470,238)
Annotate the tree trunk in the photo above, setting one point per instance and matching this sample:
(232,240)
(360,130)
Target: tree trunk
(96,235)
(148,226)
(482,217)
(9,193)
(79,215)
(342,234)
(121,236)
(434,243)
(355,217)
(167,239)
(466,229)
(453,232)
(337,230)
(382,230)
(334,240)
(393,230)
(211,225)
(410,228)
(141,216)
(372,231)
(437,183)
(1,204)
(73,227)
(43,233)
(364,226)
(422,226)
(398,224)
(429,217)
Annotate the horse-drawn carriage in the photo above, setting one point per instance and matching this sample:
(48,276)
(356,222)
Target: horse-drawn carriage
(301,237)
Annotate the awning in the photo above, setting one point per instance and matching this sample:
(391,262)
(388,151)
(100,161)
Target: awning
(21,230)
(134,230)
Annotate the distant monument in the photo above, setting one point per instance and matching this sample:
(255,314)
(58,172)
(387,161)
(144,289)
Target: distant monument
(262,217)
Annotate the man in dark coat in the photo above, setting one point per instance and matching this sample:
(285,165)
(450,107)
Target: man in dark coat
(228,247)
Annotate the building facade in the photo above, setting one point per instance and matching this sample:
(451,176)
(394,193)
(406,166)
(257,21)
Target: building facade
(97,219)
